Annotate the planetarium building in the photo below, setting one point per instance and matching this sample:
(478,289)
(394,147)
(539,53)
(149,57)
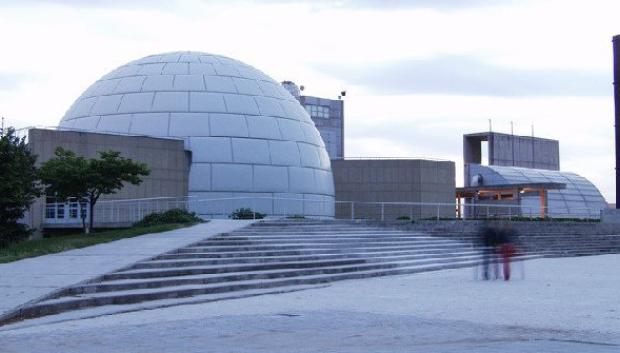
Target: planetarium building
(245,135)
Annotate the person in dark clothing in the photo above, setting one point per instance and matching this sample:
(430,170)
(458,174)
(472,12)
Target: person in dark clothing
(488,243)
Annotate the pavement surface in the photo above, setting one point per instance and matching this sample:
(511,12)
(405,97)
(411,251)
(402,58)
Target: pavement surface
(559,305)
(31,279)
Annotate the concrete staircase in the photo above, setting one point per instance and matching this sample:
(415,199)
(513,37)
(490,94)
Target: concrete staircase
(267,257)
(554,244)
(282,256)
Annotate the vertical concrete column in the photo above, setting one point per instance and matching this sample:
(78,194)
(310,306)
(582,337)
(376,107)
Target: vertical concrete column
(616,49)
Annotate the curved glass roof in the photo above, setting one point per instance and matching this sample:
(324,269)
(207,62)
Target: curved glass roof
(580,198)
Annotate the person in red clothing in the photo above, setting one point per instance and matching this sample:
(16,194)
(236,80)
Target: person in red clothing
(506,247)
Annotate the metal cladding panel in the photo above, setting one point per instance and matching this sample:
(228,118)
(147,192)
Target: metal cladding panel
(245,131)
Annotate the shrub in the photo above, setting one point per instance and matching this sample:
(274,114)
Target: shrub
(296,216)
(13,232)
(246,213)
(175,215)
(403,218)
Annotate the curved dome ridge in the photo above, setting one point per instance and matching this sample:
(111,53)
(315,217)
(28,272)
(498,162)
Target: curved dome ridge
(232,116)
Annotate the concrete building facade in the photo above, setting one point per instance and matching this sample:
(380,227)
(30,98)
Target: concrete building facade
(167,160)
(366,182)
(328,117)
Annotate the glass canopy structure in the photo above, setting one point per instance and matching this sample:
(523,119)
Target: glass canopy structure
(578,198)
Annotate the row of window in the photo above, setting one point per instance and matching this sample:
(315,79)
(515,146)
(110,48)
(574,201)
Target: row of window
(57,211)
(317,111)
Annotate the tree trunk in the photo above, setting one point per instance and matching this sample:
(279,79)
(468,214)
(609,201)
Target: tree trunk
(83,216)
(90,213)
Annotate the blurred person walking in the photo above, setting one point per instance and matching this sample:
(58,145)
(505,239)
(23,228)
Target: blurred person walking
(488,236)
(506,236)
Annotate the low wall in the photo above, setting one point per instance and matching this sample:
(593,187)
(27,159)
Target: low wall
(522,227)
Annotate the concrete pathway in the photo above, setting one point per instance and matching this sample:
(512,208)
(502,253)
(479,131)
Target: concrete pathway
(31,279)
(563,305)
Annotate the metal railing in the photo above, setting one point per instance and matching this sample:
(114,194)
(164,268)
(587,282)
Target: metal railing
(432,159)
(129,211)
(428,211)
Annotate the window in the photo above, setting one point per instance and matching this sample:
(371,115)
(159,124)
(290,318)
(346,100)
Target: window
(73,210)
(317,111)
(60,211)
(50,211)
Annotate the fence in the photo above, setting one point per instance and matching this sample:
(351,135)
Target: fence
(108,212)
(125,212)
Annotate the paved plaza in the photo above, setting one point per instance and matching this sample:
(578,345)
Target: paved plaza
(28,280)
(561,305)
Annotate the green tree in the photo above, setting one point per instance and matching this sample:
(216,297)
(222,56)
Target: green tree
(68,175)
(18,186)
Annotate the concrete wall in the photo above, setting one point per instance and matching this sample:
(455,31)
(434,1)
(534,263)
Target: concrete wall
(471,227)
(402,180)
(167,159)
(513,151)
(332,128)
(524,151)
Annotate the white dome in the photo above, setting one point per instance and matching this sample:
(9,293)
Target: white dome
(248,136)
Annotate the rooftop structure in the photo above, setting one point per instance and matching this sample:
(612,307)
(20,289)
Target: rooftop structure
(512,150)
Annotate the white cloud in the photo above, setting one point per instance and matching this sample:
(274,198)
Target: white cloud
(63,46)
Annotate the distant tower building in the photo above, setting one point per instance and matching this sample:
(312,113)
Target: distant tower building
(328,117)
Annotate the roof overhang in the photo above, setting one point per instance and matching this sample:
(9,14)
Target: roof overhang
(470,191)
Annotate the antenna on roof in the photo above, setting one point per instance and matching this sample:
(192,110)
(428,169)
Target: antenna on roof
(533,144)
(512,134)
(490,126)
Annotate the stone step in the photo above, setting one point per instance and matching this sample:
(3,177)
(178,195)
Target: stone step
(186,271)
(54,306)
(314,242)
(300,238)
(301,252)
(345,246)
(98,311)
(183,262)
(135,284)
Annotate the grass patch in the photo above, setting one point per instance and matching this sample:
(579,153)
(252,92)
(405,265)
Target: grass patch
(60,243)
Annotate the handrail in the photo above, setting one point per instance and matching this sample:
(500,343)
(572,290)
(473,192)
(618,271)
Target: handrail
(132,210)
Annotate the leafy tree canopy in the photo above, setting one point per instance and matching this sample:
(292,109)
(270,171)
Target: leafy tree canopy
(18,185)
(68,175)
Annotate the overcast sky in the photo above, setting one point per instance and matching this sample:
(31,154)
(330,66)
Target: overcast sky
(419,73)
